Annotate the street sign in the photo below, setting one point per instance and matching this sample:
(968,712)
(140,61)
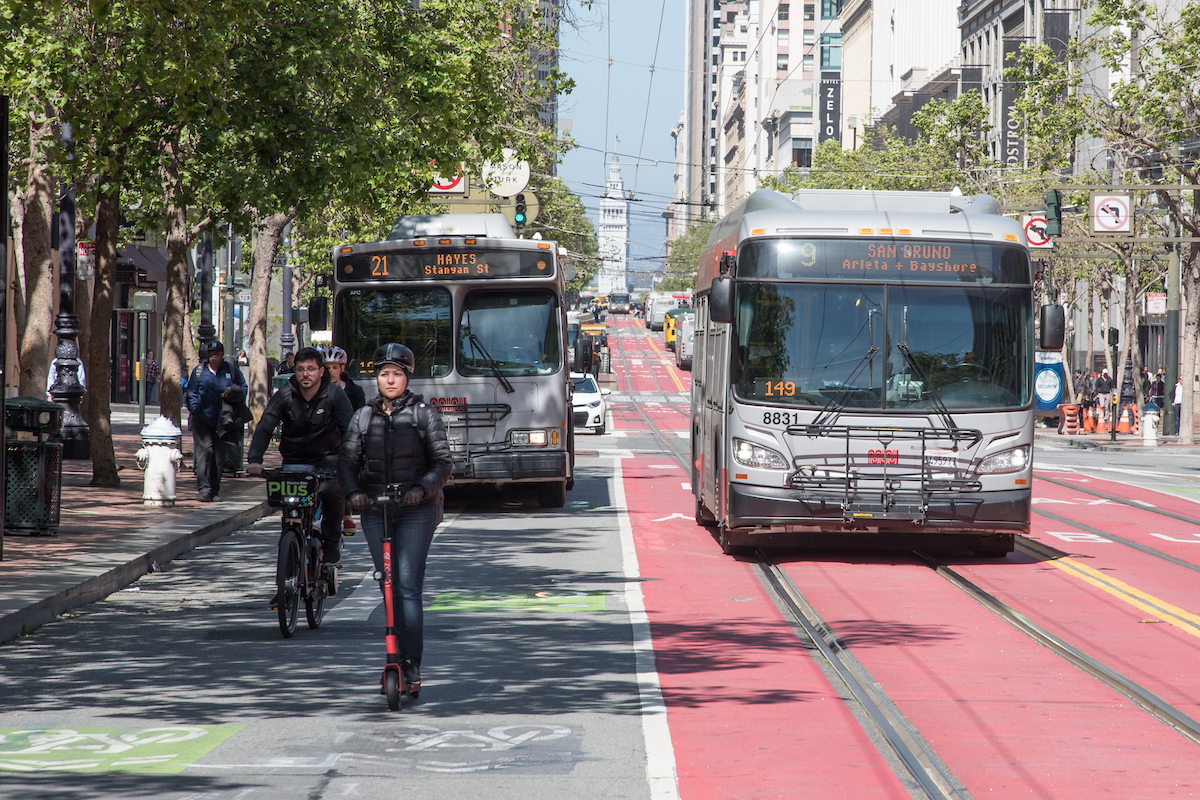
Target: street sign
(508,177)
(1110,213)
(1035,232)
(454,185)
(1156,302)
(85,260)
(245,297)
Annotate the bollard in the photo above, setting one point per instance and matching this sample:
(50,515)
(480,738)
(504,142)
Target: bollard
(159,457)
(1150,427)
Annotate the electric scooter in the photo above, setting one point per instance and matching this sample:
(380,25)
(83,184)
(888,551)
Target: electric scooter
(393,681)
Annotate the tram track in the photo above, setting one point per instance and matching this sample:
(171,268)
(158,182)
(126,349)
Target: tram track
(891,729)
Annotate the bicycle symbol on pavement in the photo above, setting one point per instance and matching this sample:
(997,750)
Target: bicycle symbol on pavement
(160,750)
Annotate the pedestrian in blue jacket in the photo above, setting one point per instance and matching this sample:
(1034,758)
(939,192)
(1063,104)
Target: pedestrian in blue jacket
(213,382)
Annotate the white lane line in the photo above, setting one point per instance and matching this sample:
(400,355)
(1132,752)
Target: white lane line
(660,753)
(359,606)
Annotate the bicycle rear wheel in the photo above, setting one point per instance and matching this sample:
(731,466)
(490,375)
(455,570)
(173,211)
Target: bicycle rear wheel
(287,579)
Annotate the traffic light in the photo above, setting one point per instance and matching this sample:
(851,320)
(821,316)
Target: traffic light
(1054,213)
(520,211)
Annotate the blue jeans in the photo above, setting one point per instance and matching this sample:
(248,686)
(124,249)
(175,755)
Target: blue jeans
(411,532)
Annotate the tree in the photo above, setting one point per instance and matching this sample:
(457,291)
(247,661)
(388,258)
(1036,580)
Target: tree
(684,257)
(1146,122)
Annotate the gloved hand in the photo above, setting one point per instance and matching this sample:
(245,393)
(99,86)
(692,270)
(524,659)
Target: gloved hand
(358,501)
(413,496)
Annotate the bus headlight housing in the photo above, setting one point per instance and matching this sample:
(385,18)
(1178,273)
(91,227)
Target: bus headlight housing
(1013,460)
(750,454)
(534,438)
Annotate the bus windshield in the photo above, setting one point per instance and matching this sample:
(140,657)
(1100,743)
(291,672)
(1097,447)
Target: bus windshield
(813,344)
(513,332)
(417,318)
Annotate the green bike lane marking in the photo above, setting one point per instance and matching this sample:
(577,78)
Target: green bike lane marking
(159,750)
(530,601)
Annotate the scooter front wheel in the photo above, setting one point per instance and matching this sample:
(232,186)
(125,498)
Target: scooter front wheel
(391,684)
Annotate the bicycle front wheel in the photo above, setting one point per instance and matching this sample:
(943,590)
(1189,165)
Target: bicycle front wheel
(287,579)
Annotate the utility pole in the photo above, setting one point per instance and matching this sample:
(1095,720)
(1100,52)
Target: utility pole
(1170,424)
(3,303)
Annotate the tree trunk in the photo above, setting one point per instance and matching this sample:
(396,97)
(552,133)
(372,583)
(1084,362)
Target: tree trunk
(1090,366)
(19,304)
(99,372)
(266,245)
(175,317)
(1133,291)
(36,352)
(83,307)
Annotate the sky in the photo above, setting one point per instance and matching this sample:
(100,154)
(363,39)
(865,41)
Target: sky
(636,105)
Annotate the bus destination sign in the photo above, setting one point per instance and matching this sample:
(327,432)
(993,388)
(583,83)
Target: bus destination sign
(888,260)
(444,265)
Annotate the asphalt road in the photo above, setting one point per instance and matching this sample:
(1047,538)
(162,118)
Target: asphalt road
(181,686)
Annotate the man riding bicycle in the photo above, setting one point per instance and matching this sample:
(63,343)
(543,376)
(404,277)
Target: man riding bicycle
(315,414)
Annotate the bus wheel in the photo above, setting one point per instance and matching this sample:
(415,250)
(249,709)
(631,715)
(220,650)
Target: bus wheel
(723,538)
(552,495)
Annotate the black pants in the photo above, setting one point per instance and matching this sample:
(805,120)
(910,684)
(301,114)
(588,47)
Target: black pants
(333,507)
(208,454)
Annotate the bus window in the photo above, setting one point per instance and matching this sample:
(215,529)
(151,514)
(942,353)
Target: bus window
(417,318)
(515,330)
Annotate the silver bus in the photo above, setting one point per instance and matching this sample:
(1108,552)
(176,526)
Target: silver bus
(863,372)
(484,315)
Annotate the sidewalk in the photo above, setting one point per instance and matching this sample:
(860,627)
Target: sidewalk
(1125,443)
(107,539)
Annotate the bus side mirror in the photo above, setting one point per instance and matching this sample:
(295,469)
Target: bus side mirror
(1053,327)
(720,300)
(318,314)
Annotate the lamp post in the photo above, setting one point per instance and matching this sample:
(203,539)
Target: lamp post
(206,331)
(853,121)
(3,300)
(67,390)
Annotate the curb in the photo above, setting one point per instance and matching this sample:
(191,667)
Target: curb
(94,575)
(1087,444)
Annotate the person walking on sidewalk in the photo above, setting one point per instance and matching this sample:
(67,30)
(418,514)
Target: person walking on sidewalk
(151,376)
(1158,392)
(213,383)
(1178,400)
(399,439)
(1103,391)
(315,415)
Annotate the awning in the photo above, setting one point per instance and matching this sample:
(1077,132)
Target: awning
(149,261)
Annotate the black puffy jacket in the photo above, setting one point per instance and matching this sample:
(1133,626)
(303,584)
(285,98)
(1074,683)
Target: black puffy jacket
(408,447)
(312,429)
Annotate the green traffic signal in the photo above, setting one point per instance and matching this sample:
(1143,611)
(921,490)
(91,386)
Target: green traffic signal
(519,213)
(1054,213)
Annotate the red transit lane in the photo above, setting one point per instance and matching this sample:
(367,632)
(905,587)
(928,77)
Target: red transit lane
(1009,717)
(750,713)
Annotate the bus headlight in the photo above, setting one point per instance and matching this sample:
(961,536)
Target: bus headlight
(535,438)
(755,455)
(1009,461)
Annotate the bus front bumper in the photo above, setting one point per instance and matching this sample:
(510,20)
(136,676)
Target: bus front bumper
(792,510)
(511,467)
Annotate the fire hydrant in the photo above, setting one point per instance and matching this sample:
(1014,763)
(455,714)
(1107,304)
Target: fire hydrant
(159,458)
(1150,427)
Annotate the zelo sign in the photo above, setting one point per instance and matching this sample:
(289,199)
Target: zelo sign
(830,107)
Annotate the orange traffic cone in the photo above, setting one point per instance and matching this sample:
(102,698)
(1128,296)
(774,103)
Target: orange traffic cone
(1123,424)
(1089,420)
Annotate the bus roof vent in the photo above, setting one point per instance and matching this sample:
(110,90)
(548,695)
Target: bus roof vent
(492,226)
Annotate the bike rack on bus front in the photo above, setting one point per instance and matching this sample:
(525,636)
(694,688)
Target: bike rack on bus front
(866,494)
(465,417)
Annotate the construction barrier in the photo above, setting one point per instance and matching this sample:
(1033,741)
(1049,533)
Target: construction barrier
(1070,419)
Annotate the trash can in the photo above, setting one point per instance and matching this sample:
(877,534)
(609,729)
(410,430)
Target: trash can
(231,467)
(34,454)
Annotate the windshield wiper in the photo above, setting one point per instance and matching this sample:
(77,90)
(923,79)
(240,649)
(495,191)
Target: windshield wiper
(830,412)
(491,362)
(935,398)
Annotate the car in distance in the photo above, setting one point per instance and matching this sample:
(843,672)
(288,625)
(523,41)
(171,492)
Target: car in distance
(588,403)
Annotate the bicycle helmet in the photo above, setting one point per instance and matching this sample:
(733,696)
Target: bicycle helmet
(393,353)
(335,355)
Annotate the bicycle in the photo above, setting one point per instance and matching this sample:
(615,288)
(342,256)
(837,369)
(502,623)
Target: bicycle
(299,571)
